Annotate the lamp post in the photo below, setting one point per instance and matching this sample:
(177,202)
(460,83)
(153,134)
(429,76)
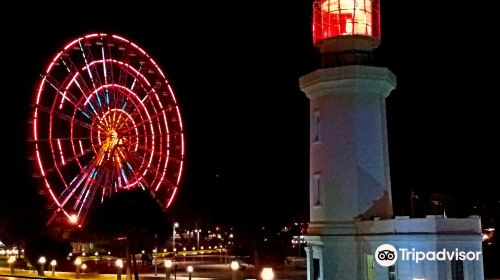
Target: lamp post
(84,267)
(11,261)
(175,269)
(190,270)
(53,264)
(235,267)
(155,260)
(267,273)
(119,266)
(78,263)
(301,239)
(173,234)
(168,266)
(42,262)
(197,238)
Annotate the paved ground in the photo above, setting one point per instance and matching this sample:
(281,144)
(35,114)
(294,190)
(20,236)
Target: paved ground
(202,272)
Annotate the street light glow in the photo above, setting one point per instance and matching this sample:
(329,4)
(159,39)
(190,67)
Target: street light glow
(173,235)
(11,260)
(53,263)
(267,273)
(168,263)
(42,260)
(78,261)
(190,269)
(119,263)
(73,219)
(235,265)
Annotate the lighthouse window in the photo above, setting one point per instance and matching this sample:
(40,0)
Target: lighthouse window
(392,272)
(316,124)
(457,270)
(316,188)
(316,267)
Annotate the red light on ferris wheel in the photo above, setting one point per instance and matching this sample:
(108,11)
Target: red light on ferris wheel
(334,18)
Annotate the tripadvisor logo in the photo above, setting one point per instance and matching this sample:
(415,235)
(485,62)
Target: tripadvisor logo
(387,255)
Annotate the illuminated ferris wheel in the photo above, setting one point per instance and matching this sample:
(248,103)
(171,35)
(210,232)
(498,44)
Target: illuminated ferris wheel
(105,120)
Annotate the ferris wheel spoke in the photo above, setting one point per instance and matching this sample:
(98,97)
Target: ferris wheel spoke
(87,200)
(155,153)
(64,117)
(82,154)
(85,90)
(135,177)
(78,74)
(149,167)
(64,138)
(86,64)
(136,75)
(149,93)
(97,75)
(74,185)
(139,178)
(64,95)
(152,120)
(70,159)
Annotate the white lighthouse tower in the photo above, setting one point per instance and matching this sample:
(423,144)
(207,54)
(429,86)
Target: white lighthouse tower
(350,189)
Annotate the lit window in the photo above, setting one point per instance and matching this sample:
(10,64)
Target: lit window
(333,18)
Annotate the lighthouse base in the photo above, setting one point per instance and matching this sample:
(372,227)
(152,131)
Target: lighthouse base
(427,248)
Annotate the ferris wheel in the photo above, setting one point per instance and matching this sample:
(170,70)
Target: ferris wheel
(105,120)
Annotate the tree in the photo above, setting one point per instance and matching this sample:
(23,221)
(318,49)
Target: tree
(42,245)
(133,216)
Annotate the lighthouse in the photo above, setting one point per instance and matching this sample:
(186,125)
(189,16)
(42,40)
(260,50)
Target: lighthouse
(351,214)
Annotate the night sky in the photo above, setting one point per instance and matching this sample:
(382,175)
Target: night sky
(235,68)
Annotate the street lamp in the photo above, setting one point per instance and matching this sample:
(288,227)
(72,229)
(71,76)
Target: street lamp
(155,260)
(301,240)
(42,262)
(119,266)
(197,238)
(267,273)
(11,261)
(190,270)
(84,267)
(78,263)
(53,264)
(173,234)
(168,266)
(235,267)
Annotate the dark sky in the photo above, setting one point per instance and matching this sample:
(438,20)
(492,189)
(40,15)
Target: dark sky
(235,68)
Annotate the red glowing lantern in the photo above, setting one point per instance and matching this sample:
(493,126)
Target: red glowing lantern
(334,18)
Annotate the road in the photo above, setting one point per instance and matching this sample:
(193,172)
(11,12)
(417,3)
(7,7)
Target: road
(208,267)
